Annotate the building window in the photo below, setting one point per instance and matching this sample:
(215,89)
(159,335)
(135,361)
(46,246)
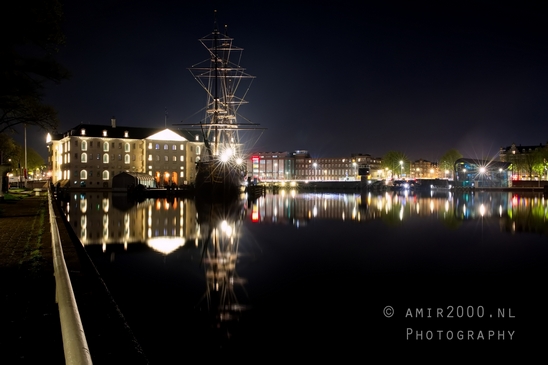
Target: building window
(105,158)
(150,157)
(126,134)
(182,158)
(182,147)
(174,159)
(105,146)
(174,148)
(197,150)
(149,145)
(126,147)
(83,175)
(126,159)
(98,156)
(75,156)
(157,158)
(105,175)
(84,146)
(165,147)
(104,132)
(119,157)
(157,146)
(84,157)
(165,158)
(83,132)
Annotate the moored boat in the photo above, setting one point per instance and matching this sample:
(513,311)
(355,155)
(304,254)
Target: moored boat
(221,169)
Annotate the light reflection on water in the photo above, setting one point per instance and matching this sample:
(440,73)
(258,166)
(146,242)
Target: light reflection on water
(178,263)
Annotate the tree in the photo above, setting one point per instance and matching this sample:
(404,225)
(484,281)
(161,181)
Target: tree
(395,161)
(28,43)
(447,161)
(8,148)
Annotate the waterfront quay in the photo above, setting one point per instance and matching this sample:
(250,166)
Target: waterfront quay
(30,329)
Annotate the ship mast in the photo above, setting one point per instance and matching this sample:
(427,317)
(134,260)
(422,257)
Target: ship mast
(220,76)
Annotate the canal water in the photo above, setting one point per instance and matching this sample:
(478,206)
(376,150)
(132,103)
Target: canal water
(309,274)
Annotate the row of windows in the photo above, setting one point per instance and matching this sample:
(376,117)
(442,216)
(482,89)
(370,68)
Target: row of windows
(84,174)
(173,147)
(106,157)
(166,158)
(106,145)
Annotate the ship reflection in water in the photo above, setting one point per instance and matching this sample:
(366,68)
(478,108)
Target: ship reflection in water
(174,264)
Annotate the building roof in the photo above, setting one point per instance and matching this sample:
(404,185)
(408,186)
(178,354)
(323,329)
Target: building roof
(520,148)
(487,163)
(96,130)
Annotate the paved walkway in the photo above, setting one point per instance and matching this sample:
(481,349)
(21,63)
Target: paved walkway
(30,331)
(29,318)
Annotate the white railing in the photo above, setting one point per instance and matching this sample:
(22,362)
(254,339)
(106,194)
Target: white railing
(74,339)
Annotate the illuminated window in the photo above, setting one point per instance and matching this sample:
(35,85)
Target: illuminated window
(149,145)
(174,159)
(83,132)
(182,158)
(182,147)
(150,157)
(165,147)
(126,147)
(157,146)
(104,132)
(84,157)
(126,134)
(83,175)
(126,159)
(174,147)
(105,146)
(105,158)
(84,146)
(197,150)
(105,175)
(165,158)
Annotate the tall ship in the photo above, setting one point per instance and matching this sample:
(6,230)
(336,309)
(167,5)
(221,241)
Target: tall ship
(221,169)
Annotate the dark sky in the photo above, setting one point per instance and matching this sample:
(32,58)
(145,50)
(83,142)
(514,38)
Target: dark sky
(332,77)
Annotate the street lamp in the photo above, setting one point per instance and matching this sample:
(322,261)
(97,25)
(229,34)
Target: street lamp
(401,166)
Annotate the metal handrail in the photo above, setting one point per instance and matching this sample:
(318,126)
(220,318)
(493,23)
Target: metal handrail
(74,339)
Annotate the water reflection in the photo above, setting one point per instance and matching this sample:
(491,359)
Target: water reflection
(174,263)
(515,211)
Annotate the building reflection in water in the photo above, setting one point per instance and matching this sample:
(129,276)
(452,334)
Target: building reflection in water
(523,211)
(213,232)
(165,225)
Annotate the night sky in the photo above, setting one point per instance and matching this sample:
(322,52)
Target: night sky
(333,78)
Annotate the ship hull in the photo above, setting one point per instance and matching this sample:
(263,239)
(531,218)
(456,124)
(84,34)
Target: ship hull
(217,179)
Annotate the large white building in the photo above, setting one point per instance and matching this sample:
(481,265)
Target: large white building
(90,155)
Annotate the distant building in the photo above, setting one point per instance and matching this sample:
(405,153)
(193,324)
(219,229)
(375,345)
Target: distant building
(424,169)
(470,172)
(524,159)
(90,155)
(299,165)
